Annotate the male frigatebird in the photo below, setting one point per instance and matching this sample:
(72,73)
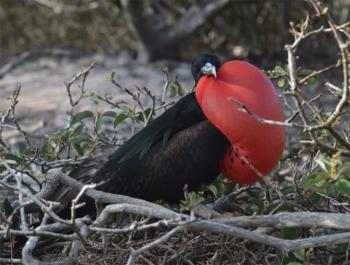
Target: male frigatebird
(203,134)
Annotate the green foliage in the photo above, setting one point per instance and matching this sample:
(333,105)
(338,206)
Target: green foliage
(221,186)
(191,199)
(342,186)
(120,118)
(176,90)
(333,180)
(281,73)
(218,188)
(307,74)
(81,116)
(298,257)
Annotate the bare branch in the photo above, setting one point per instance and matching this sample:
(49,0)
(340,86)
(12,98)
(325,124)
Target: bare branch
(11,261)
(289,220)
(71,259)
(83,73)
(282,244)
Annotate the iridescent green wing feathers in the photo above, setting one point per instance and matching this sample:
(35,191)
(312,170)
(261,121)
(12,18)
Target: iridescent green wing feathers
(183,114)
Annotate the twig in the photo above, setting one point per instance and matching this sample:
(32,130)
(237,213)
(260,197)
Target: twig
(75,201)
(345,65)
(135,253)
(245,109)
(61,163)
(166,85)
(134,227)
(11,261)
(58,7)
(318,72)
(83,73)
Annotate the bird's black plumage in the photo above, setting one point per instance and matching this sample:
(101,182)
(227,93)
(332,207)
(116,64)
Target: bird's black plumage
(180,147)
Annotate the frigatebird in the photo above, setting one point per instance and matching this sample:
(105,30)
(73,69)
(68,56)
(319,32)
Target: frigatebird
(203,134)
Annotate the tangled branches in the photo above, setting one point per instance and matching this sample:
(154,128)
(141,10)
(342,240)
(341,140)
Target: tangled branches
(315,206)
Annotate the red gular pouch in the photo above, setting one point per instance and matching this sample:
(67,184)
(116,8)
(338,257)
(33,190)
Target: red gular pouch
(253,141)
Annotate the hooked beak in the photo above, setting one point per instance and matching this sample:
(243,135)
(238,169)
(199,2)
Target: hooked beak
(208,69)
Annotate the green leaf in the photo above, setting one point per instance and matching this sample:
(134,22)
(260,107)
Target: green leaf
(192,199)
(313,179)
(288,190)
(13,157)
(111,76)
(294,263)
(81,115)
(299,254)
(324,163)
(120,118)
(119,217)
(343,187)
(140,116)
(44,151)
(213,189)
(282,83)
(2,168)
(63,133)
(290,233)
(111,114)
(279,69)
(304,72)
(95,99)
(314,198)
(180,91)
(341,247)
(79,149)
(77,131)
(344,169)
(173,91)
(312,81)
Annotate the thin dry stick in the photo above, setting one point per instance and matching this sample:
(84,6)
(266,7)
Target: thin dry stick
(11,261)
(83,73)
(345,65)
(75,201)
(135,253)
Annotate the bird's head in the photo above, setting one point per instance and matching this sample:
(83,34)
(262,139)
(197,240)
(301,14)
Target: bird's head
(205,64)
